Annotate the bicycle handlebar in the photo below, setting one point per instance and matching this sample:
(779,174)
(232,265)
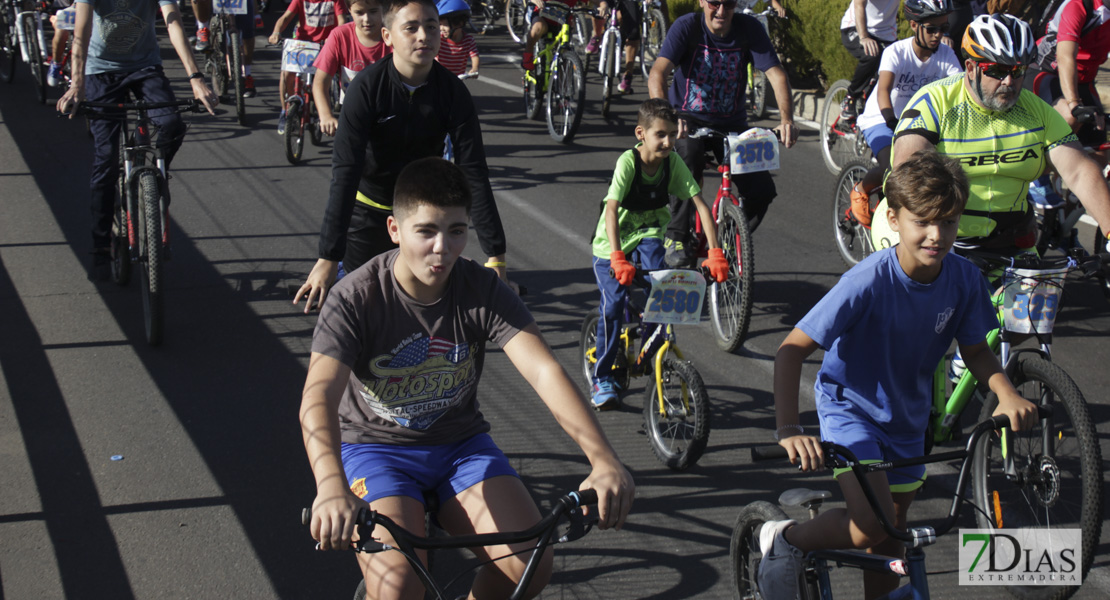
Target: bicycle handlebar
(837,456)
(83,108)
(1077,258)
(640,279)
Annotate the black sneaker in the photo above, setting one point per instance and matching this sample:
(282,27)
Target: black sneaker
(100,265)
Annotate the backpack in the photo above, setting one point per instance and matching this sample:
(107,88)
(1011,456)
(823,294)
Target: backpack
(1046,47)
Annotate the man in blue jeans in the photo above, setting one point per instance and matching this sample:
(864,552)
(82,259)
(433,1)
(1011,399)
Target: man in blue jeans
(115,52)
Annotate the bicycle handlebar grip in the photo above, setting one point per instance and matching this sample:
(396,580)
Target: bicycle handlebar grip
(768,452)
(306,516)
(586,497)
(1084,114)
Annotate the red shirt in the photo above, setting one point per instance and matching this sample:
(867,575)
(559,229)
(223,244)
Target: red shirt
(1094,46)
(456,56)
(316,18)
(343,50)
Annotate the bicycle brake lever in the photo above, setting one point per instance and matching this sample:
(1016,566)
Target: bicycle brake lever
(577,527)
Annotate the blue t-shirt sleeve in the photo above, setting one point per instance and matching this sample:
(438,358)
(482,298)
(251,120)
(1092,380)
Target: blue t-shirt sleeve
(678,38)
(838,311)
(763,52)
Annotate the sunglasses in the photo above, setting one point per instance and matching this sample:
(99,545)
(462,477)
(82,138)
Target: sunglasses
(935,29)
(999,72)
(715,4)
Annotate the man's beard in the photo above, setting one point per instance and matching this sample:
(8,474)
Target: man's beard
(993,101)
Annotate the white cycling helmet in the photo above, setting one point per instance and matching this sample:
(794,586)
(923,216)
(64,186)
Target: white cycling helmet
(999,38)
(921,10)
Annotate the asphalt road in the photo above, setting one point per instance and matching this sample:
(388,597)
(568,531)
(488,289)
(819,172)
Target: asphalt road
(205,502)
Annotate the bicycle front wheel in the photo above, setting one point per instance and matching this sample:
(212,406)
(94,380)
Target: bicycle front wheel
(730,302)
(533,88)
(294,133)
(38,61)
(743,551)
(235,52)
(514,20)
(565,96)
(840,140)
(757,94)
(215,61)
(853,240)
(651,39)
(120,248)
(151,241)
(9,45)
(587,347)
(676,415)
(608,69)
(1056,478)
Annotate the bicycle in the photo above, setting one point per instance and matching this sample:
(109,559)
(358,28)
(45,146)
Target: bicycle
(744,548)
(842,141)
(300,108)
(223,59)
(676,404)
(730,306)
(853,239)
(756,92)
(653,31)
(558,76)
(140,228)
(545,532)
(491,11)
(609,53)
(23,28)
(515,22)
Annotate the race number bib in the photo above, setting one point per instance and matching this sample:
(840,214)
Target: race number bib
(676,296)
(230,7)
(1031,299)
(298,55)
(66,19)
(754,150)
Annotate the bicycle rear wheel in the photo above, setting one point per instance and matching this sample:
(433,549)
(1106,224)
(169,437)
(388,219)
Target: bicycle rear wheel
(514,20)
(9,44)
(651,40)
(38,61)
(566,96)
(235,52)
(757,94)
(294,133)
(840,141)
(730,302)
(677,423)
(1057,479)
(150,241)
(608,69)
(120,249)
(743,551)
(853,240)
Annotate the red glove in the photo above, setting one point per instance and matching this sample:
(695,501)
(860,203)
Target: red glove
(717,265)
(623,271)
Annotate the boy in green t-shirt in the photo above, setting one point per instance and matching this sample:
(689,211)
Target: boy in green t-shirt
(633,220)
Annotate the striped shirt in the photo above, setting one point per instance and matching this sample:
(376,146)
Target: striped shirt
(456,55)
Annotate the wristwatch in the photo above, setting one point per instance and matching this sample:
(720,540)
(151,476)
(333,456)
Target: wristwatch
(197,75)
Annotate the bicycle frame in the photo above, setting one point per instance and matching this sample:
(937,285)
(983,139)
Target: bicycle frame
(139,156)
(302,94)
(611,24)
(550,54)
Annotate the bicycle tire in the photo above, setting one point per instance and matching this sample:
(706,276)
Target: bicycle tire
(608,69)
(9,45)
(840,143)
(743,549)
(315,134)
(1098,245)
(514,20)
(730,302)
(581,33)
(566,96)
(235,52)
(38,62)
(1029,501)
(757,94)
(215,61)
(853,240)
(120,249)
(651,39)
(676,439)
(294,133)
(151,243)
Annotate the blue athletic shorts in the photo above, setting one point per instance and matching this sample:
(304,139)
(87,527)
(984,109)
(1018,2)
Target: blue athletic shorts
(375,471)
(870,444)
(878,137)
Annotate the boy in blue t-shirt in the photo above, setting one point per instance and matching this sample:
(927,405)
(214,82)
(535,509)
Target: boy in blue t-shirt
(884,328)
(633,220)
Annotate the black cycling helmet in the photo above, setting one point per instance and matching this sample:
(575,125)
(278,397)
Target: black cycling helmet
(921,10)
(999,38)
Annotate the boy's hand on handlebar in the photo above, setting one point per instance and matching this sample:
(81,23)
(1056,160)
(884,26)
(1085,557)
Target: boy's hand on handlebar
(334,517)
(804,451)
(1022,413)
(717,264)
(623,271)
(615,492)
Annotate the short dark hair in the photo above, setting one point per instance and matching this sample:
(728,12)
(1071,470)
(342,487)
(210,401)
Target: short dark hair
(656,108)
(929,185)
(430,181)
(351,3)
(391,7)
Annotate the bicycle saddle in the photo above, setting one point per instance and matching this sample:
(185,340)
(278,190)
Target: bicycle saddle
(803,497)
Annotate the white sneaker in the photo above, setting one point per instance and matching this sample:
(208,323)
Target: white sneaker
(777,578)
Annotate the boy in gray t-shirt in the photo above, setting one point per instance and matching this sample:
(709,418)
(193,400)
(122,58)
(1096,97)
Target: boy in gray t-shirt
(390,411)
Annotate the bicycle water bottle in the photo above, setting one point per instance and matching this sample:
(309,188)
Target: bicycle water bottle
(1043,195)
(956,367)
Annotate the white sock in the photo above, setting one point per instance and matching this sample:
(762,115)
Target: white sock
(202,24)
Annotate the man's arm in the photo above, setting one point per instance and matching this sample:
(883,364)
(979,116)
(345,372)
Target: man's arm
(201,91)
(82,33)
(905,145)
(1066,51)
(788,133)
(1082,176)
(870,46)
(531,356)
